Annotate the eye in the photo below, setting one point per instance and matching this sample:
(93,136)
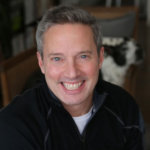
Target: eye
(56,59)
(83,56)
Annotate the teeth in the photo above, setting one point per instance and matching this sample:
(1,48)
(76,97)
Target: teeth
(72,86)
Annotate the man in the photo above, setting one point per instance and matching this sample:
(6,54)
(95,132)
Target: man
(72,109)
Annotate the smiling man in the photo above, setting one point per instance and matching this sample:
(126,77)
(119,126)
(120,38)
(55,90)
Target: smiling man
(72,109)
(71,64)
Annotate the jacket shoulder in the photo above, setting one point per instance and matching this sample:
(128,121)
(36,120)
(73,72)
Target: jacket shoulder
(24,120)
(116,92)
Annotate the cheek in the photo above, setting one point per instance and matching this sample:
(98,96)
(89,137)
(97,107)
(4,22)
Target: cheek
(52,72)
(92,70)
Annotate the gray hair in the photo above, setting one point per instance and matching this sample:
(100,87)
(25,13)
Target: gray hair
(67,14)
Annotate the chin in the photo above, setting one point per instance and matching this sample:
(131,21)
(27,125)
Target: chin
(72,100)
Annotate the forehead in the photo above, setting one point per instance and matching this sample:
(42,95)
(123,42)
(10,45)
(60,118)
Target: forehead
(69,36)
(70,27)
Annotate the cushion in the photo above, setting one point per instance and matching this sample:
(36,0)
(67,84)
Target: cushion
(119,27)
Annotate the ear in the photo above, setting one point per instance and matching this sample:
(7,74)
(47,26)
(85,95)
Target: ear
(101,57)
(40,62)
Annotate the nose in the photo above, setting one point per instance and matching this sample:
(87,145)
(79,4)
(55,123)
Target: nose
(72,70)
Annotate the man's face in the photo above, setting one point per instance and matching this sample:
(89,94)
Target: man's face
(70,63)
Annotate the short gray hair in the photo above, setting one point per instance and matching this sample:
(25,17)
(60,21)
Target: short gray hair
(66,14)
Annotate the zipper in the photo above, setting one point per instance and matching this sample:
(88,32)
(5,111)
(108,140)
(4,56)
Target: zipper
(82,137)
(84,133)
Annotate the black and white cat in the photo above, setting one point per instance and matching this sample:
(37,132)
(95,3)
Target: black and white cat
(120,53)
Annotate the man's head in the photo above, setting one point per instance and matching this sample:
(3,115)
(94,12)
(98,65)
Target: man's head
(68,56)
(63,15)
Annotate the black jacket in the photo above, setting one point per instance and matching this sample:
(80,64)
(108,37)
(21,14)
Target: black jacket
(36,120)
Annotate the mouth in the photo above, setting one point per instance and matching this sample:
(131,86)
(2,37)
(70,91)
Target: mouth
(72,86)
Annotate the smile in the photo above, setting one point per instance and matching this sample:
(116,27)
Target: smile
(72,86)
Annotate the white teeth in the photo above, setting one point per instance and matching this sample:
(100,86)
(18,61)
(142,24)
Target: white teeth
(72,86)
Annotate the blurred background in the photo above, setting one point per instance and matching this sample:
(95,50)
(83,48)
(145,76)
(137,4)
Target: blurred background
(18,21)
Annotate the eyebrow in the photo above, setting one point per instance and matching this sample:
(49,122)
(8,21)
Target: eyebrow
(54,54)
(60,54)
(86,51)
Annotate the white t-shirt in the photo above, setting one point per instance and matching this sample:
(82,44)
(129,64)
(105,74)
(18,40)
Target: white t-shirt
(81,121)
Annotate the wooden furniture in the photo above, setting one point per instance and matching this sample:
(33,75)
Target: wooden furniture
(115,12)
(15,71)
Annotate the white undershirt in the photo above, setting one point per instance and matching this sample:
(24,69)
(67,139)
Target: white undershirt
(81,121)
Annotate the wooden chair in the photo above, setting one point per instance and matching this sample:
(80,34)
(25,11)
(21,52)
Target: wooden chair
(115,12)
(14,72)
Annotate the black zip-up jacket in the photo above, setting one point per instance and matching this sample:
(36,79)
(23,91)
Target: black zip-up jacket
(36,120)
